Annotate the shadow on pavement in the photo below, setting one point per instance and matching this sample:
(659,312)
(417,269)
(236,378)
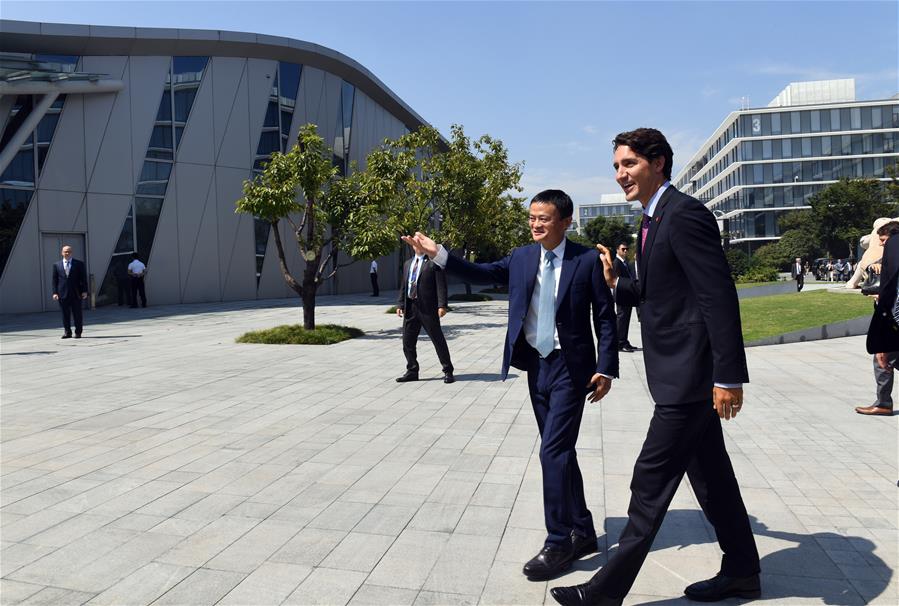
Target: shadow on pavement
(804,571)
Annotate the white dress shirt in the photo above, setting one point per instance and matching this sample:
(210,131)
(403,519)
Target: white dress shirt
(530,321)
(420,259)
(136,267)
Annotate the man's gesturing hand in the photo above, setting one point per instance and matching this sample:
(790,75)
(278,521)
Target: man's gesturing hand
(608,271)
(728,402)
(421,243)
(601,386)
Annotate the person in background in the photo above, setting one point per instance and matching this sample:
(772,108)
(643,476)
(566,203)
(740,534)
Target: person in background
(137,270)
(798,274)
(373,274)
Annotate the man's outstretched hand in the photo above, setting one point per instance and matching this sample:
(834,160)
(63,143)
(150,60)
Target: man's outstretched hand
(420,242)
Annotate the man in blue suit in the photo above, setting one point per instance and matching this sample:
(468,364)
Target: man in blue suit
(555,286)
(69,282)
(695,367)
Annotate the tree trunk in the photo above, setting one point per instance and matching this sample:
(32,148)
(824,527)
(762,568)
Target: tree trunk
(309,307)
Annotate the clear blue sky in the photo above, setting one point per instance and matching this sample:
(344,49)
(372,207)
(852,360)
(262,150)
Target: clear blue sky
(555,80)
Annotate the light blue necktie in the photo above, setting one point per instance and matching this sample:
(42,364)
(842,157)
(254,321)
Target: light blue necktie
(546,308)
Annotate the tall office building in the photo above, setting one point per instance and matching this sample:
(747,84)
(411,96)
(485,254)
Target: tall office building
(118,140)
(763,162)
(609,205)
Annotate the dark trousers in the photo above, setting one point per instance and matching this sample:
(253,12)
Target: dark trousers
(414,319)
(800,282)
(137,288)
(884,380)
(682,438)
(374,283)
(623,316)
(71,306)
(558,406)
(123,286)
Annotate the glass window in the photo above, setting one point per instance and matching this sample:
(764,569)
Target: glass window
(825,120)
(21,169)
(866,117)
(825,146)
(794,122)
(165,108)
(856,144)
(271,115)
(816,120)
(188,69)
(876,117)
(775,123)
(126,238)
(844,118)
(816,146)
(806,147)
(787,145)
(804,122)
(896,116)
(13,205)
(766,149)
(855,117)
(289,79)
(878,166)
(269,141)
(877,143)
(846,144)
(778,172)
(161,138)
(147,211)
(835,119)
(758,174)
(756,149)
(747,150)
(766,124)
(184,99)
(286,117)
(867,144)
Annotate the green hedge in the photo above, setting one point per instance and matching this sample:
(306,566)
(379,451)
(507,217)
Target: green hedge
(294,334)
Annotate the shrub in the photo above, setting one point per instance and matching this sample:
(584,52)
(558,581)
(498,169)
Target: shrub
(295,334)
(759,273)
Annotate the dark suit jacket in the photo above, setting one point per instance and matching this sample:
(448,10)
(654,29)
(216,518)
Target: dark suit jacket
(71,286)
(690,316)
(431,286)
(581,288)
(883,334)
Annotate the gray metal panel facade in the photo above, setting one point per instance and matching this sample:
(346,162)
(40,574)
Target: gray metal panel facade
(202,250)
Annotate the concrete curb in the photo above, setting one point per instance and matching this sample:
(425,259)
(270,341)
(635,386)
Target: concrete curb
(847,328)
(781,288)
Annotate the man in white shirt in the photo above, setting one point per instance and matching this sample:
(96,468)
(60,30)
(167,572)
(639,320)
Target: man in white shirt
(137,271)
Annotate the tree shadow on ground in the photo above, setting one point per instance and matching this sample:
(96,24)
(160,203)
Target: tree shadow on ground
(806,571)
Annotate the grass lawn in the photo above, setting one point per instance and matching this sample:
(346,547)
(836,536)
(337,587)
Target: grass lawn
(779,314)
(742,285)
(295,334)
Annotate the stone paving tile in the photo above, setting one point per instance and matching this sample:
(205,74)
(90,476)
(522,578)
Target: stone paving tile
(270,583)
(201,587)
(55,596)
(144,585)
(251,473)
(326,587)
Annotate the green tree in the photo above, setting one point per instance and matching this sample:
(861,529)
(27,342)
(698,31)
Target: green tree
(326,213)
(609,231)
(770,255)
(845,211)
(738,261)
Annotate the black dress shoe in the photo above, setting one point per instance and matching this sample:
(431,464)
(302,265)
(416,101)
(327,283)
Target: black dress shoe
(66,336)
(409,376)
(627,348)
(448,377)
(583,546)
(77,335)
(582,595)
(549,563)
(721,587)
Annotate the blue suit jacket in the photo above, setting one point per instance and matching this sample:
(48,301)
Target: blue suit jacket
(71,286)
(690,316)
(582,293)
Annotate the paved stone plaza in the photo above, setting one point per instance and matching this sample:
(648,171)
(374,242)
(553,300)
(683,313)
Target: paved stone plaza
(156,461)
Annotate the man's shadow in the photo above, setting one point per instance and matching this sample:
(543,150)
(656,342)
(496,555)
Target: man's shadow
(799,572)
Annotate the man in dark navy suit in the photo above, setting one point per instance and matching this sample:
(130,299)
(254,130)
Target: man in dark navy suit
(69,282)
(555,286)
(623,312)
(695,367)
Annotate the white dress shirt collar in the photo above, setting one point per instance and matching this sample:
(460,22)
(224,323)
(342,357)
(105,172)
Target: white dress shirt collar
(651,207)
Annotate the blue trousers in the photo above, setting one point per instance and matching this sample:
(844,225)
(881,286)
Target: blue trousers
(558,406)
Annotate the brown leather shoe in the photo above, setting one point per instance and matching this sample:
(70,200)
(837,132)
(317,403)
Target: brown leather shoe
(874,409)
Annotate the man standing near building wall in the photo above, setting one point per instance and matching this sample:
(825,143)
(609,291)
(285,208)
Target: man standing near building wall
(69,282)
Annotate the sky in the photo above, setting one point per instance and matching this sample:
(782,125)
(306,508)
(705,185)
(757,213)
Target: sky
(555,81)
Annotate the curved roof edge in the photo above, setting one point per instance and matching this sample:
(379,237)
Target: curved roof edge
(99,40)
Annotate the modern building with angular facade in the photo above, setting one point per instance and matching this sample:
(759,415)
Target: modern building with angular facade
(118,140)
(763,162)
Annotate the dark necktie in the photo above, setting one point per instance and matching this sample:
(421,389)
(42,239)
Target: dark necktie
(413,279)
(644,229)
